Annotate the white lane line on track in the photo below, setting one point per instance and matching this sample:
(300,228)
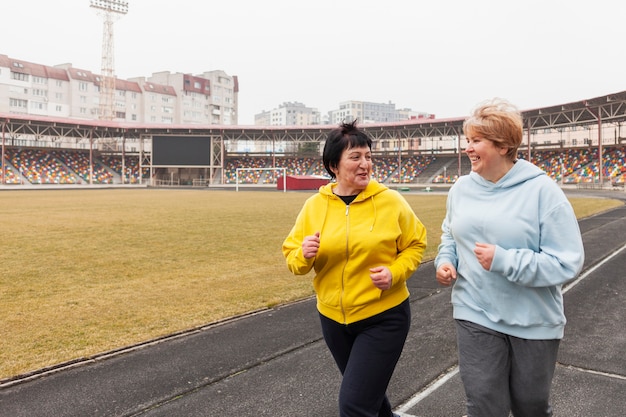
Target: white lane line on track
(447,376)
(426,392)
(591,371)
(596,266)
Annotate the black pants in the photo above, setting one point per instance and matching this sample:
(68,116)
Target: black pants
(366,353)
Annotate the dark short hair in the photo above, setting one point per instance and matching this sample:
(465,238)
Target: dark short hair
(346,136)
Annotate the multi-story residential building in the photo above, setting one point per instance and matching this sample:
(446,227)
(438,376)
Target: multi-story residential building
(194,95)
(408,114)
(368,112)
(288,114)
(33,89)
(129,101)
(65,91)
(263,119)
(159,102)
(224,103)
(364,112)
(82,97)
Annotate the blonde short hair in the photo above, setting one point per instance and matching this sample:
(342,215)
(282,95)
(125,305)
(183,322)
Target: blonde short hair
(499,121)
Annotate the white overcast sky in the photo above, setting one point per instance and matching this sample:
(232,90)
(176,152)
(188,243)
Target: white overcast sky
(436,56)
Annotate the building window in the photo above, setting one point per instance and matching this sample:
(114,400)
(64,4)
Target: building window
(35,105)
(19,76)
(19,103)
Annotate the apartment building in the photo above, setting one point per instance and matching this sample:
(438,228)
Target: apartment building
(164,98)
(33,89)
(224,104)
(289,114)
(364,111)
(209,98)
(408,114)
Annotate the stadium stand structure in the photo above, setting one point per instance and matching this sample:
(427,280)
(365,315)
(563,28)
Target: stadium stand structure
(569,166)
(41,150)
(44,166)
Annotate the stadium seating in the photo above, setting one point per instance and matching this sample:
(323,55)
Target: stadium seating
(79,163)
(131,167)
(245,177)
(39,166)
(64,166)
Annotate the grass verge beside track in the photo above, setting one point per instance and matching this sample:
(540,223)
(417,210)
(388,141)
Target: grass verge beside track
(87,271)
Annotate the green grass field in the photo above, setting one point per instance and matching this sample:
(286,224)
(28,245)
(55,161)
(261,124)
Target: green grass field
(88,271)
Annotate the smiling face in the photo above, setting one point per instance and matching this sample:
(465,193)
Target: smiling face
(489,159)
(494,133)
(353,171)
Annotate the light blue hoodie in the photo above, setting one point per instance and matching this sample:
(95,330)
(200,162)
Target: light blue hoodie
(538,249)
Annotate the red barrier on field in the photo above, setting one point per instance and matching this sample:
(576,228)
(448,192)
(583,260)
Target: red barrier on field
(301,182)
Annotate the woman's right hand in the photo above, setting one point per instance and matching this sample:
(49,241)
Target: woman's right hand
(446,273)
(310,245)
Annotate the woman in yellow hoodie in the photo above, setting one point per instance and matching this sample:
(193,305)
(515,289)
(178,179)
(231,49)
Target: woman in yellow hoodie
(363,241)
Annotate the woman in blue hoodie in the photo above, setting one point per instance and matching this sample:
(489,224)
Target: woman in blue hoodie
(510,241)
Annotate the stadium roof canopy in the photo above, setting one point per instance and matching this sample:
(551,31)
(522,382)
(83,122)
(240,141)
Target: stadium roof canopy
(600,110)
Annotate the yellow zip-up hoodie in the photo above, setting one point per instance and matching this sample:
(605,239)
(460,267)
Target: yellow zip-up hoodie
(378,228)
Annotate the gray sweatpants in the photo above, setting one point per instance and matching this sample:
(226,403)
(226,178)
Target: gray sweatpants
(502,373)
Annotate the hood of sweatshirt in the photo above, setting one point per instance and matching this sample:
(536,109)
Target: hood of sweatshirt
(522,171)
(373,188)
(367,195)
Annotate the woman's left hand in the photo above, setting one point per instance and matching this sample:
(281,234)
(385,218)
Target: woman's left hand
(484,253)
(381,277)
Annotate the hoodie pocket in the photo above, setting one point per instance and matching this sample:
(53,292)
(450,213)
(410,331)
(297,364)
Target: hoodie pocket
(328,292)
(366,297)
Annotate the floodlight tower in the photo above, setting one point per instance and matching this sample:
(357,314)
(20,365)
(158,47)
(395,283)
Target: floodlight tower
(110,10)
